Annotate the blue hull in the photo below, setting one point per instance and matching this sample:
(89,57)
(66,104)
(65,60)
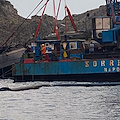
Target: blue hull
(82,70)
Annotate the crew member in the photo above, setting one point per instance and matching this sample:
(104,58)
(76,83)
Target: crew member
(43,52)
(91,49)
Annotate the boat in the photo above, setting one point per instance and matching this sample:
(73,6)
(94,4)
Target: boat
(7,59)
(71,58)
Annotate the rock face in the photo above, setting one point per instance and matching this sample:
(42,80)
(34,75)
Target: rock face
(10,23)
(9,19)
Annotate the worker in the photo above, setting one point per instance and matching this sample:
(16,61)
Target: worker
(91,49)
(43,49)
(43,52)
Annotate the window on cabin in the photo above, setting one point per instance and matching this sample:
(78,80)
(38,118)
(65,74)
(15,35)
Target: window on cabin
(73,45)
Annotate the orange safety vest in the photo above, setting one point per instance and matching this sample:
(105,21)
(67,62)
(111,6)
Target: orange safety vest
(43,50)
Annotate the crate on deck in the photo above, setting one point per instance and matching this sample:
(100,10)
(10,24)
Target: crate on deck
(29,60)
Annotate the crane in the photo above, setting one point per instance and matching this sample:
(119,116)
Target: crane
(106,29)
(113,10)
(55,19)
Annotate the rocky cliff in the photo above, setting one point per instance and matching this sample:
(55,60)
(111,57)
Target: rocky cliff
(10,21)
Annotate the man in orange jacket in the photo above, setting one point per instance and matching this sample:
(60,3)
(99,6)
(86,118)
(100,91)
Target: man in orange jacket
(43,49)
(43,52)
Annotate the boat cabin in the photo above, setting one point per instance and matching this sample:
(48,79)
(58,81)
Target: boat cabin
(56,50)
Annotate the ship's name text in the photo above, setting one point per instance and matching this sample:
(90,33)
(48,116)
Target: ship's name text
(111,65)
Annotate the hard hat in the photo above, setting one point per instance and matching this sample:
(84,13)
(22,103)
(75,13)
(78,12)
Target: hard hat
(42,44)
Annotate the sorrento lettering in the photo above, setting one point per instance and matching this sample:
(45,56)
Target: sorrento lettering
(103,63)
(103,66)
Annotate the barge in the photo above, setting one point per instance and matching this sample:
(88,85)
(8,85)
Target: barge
(70,58)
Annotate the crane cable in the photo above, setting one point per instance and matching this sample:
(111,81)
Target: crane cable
(58,8)
(57,13)
(20,25)
(40,20)
(71,18)
(56,28)
(65,17)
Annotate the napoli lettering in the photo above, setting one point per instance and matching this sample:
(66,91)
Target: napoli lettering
(113,69)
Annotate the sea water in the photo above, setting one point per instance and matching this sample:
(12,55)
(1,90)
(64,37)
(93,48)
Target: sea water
(59,103)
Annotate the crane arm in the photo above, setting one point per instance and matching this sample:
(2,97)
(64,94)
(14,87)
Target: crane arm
(71,18)
(40,21)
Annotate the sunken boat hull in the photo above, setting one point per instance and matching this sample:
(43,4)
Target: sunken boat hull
(6,61)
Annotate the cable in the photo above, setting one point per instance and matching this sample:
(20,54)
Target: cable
(20,24)
(36,33)
(65,17)
(58,8)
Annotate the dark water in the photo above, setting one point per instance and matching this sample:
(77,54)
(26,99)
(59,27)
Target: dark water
(60,103)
